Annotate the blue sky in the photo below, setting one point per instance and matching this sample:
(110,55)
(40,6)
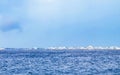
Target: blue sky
(45,23)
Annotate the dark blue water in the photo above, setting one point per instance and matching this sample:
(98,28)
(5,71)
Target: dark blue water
(65,62)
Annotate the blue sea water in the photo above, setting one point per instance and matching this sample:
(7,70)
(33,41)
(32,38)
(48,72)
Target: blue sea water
(62,62)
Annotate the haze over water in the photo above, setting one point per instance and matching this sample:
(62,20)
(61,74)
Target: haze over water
(46,23)
(57,23)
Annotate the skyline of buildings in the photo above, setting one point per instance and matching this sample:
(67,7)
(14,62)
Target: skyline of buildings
(90,47)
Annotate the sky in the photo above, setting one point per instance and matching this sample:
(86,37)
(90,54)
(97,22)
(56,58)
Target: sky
(46,23)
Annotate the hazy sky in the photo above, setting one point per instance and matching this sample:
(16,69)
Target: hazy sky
(45,23)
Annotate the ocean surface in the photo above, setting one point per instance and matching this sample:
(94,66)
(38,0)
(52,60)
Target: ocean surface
(60,62)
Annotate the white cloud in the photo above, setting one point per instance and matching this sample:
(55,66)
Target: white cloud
(43,13)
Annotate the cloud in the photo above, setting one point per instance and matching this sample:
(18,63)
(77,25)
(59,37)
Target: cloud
(10,27)
(9,23)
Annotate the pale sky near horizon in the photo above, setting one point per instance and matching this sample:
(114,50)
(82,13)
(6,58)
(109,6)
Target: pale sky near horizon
(46,23)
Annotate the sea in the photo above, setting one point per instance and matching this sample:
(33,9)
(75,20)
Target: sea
(60,62)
